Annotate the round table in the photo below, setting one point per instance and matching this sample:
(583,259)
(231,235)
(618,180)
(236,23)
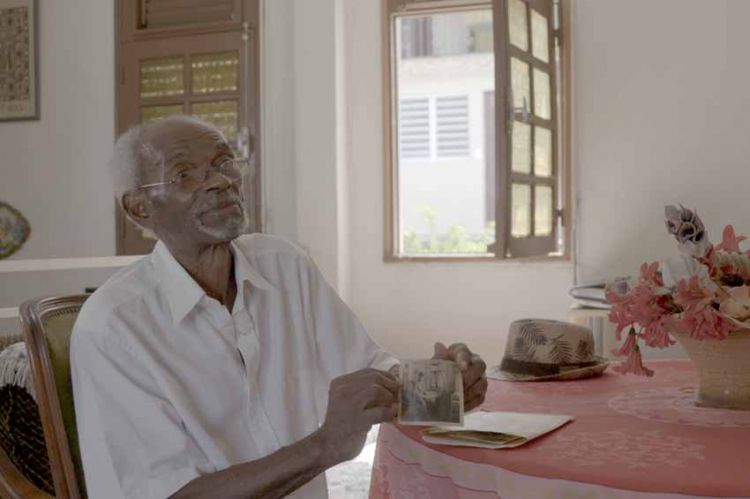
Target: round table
(632,437)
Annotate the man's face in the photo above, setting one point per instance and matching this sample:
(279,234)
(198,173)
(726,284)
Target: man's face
(208,211)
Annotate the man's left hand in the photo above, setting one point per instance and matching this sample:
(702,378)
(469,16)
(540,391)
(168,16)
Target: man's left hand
(472,370)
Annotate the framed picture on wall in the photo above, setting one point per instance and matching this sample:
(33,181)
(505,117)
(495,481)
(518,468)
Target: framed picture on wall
(19,72)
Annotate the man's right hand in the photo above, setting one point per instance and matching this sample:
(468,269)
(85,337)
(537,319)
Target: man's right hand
(357,401)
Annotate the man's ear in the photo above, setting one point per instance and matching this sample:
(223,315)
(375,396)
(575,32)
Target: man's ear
(138,207)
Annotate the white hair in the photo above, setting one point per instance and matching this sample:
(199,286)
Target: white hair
(125,163)
(132,150)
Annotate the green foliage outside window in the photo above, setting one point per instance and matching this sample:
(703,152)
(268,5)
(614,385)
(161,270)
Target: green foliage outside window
(455,239)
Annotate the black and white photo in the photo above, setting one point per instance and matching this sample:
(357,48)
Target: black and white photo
(431,393)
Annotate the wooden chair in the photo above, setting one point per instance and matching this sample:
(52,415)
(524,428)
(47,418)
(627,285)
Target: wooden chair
(47,326)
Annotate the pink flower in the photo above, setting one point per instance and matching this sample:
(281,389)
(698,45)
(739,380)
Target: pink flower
(691,294)
(730,242)
(704,324)
(630,343)
(656,335)
(634,364)
(650,274)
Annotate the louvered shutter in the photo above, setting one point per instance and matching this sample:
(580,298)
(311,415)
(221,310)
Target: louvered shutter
(414,130)
(452,124)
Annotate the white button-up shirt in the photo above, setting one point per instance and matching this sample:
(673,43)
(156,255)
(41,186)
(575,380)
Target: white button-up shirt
(169,385)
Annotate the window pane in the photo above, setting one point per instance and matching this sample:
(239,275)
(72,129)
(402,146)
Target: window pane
(543,210)
(162,77)
(542,101)
(542,152)
(444,71)
(521,215)
(519,74)
(539,40)
(517,24)
(153,113)
(442,35)
(223,114)
(521,147)
(217,72)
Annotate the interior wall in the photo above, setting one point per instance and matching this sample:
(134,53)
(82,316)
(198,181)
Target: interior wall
(661,117)
(55,170)
(408,306)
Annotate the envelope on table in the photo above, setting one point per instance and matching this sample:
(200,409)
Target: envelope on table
(495,430)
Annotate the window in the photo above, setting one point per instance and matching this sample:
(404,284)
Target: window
(476,157)
(197,57)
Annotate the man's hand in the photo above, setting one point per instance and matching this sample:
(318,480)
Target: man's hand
(356,402)
(472,369)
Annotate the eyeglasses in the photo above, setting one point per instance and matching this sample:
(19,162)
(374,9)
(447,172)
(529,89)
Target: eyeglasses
(233,169)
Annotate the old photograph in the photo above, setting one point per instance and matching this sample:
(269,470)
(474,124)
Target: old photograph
(431,393)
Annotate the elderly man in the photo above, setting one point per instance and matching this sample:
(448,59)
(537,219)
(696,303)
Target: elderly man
(221,365)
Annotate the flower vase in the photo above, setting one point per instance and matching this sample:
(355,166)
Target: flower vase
(723,369)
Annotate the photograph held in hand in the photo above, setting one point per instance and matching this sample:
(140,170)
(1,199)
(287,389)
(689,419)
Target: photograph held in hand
(431,393)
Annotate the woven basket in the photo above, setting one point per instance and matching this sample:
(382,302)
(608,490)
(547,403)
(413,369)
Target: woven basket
(723,370)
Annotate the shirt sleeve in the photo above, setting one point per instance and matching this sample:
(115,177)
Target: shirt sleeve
(342,341)
(131,437)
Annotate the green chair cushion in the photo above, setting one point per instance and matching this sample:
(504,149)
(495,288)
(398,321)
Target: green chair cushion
(58,329)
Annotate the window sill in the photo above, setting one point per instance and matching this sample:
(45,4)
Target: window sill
(475,258)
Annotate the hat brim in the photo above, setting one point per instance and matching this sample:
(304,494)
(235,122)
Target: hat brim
(584,372)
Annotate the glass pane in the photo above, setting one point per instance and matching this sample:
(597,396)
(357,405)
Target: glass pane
(445,81)
(153,113)
(542,152)
(539,33)
(441,35)
(223,114)
(217,72)
(543,210)
(521,147)
(519,74)
(521,215)
(162,77)
(542,101)
(517,24)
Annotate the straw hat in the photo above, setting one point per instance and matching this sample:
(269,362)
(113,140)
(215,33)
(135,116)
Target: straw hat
(545,350)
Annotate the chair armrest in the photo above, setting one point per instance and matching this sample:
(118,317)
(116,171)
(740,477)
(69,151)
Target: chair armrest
(14,485)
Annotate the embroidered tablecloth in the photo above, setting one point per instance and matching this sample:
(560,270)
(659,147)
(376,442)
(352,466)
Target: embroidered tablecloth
(632,437)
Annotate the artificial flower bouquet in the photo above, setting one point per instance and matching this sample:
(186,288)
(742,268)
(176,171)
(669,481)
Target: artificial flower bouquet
(704,294)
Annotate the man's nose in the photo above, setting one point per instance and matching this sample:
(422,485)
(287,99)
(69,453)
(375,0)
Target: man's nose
(217,181)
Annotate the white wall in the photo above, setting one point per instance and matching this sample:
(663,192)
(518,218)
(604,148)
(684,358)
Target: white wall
(662,115)
(54,170)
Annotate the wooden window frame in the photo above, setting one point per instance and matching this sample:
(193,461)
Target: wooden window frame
(561,116)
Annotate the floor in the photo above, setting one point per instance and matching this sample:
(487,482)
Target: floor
(351,480)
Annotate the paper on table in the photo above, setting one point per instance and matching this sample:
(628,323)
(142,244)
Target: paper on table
(495,430)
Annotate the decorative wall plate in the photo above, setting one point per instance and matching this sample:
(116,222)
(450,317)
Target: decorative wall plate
(14,230)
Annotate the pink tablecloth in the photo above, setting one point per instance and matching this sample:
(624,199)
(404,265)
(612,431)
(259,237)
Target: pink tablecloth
(632,437)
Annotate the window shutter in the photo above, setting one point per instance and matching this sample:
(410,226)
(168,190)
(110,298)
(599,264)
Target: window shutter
(173,13)
(452,118)
(414,132)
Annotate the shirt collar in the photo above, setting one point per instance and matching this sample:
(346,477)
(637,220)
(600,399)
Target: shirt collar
(244,271)
(183,293)
(181,290)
